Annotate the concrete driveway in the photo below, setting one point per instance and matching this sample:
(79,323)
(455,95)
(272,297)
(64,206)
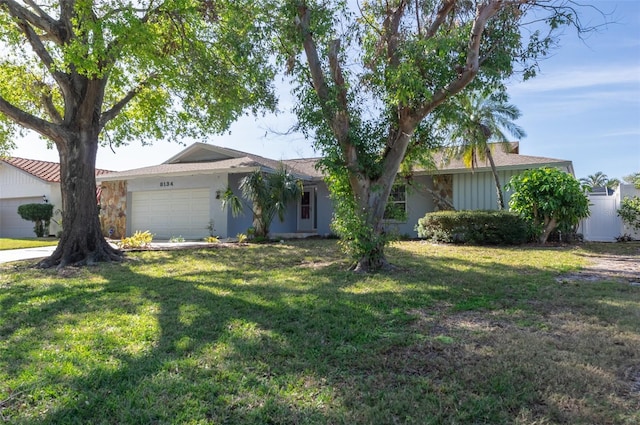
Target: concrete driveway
(8,255)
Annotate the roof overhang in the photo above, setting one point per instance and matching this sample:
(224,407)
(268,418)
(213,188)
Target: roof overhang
(566,165)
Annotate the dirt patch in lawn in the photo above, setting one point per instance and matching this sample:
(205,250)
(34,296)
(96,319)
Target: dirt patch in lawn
(557,368)
(621,268)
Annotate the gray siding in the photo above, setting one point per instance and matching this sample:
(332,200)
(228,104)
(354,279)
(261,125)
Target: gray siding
(477,191)
(241,223)
(324,207)
(419,202)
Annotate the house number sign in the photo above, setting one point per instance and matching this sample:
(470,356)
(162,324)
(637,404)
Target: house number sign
(166,184)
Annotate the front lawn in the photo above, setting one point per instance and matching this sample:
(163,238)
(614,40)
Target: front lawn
(284,334)
(8,243)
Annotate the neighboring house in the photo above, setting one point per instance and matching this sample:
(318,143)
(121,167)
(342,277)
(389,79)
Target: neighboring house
(28,181)
(182,196)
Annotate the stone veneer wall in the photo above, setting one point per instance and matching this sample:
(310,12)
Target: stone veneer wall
(113,209)
(443,192)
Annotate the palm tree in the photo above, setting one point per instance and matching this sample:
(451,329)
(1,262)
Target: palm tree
(599,179)
(478,123)
(268,194)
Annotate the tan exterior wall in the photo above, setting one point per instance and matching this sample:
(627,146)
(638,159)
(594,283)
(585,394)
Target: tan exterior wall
(113,209)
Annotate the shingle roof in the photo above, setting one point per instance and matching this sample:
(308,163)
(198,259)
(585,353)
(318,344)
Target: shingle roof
(501,158)
(187,167)
(306,167)
(44,170)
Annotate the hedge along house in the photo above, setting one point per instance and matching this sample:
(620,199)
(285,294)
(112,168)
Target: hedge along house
(28,181)
(183,196)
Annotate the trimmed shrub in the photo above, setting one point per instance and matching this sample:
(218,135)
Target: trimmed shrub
(474,227)
(40,214)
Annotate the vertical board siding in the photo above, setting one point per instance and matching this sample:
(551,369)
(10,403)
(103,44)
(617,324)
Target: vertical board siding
(477,191)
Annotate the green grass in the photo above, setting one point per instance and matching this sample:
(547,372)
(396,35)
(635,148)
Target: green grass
(284,334)
(7,243)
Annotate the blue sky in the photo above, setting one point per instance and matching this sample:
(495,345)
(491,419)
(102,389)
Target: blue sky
(584,106)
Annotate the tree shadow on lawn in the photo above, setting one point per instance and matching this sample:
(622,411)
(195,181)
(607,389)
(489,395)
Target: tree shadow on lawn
(241,342)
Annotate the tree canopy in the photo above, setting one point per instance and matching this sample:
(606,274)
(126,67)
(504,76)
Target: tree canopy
(371,88)
(83,73)
(158,69)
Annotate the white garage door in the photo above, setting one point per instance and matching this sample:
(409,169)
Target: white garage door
(11,224)
(171,213)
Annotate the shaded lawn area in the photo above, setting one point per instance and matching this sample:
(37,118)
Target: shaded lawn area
(11,243)
(284,334)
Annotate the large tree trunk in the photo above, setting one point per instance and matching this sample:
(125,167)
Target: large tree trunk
(372,205)
(372,197)
(82,241)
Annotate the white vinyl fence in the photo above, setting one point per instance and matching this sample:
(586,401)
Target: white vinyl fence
(604,224)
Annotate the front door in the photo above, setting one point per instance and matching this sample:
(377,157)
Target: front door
(307,210)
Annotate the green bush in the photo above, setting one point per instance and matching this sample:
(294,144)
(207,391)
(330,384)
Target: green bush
(630,211)
(40,214)
(548,199)
(475,227)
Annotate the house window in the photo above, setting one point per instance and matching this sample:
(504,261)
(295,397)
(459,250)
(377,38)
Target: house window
(397,204)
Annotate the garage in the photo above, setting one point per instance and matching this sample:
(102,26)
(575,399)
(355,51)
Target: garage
(11,224)
(171,213)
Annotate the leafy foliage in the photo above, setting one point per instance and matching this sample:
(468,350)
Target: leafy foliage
(174,68)
(633,179)
(476,227)
(548,198)
(40,214)
(630,211)
(356,237)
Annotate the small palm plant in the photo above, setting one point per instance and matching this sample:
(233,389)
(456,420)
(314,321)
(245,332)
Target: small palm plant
(267,194)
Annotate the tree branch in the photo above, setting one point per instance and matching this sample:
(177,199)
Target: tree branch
(391,27)
(25,20)
(29,121)
(483,13)
(311,51)
(444,10)
(47,103)
(118,106)
(338,119)
(39,20)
